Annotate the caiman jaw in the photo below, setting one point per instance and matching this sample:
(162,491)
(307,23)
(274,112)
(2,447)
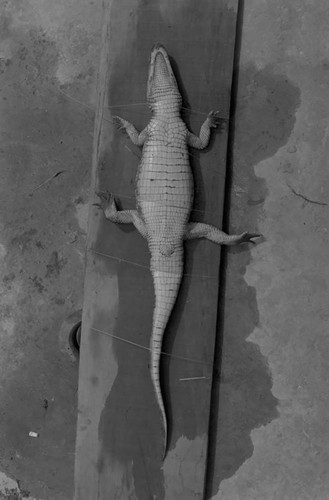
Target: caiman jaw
(161,85)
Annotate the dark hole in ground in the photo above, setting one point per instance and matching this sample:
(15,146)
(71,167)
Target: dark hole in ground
(75,338)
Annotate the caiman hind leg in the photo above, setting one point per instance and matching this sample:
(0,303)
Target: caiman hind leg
(136,138)
(199,230)
(108,205)
(212,121)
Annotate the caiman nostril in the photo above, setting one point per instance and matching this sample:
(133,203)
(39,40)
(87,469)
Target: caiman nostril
(157,46)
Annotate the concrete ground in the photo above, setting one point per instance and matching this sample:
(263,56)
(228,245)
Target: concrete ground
(272,436)
(273,432)
(48,51)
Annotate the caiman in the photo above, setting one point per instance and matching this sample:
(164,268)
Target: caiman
(164,199)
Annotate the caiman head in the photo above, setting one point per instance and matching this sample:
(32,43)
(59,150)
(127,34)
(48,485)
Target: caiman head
(162,88)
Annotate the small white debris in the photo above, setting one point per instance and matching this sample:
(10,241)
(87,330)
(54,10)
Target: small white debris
(33,434)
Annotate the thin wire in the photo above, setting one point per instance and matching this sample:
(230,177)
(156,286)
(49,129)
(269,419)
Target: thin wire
(193,378)
(76,100)
(119,259)
(135,104)
(140,346)
(203,113)
(120,195)
(133,152)
(129,105)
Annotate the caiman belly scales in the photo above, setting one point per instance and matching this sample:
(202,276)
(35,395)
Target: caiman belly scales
(164,198)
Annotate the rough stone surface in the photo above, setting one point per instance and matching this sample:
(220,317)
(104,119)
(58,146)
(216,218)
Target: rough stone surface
(273,436)
(48,51)
(272,432)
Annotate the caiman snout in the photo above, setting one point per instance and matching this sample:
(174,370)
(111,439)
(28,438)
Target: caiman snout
(161,85)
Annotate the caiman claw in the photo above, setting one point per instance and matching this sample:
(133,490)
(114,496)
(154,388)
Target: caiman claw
(214,119)
(106,200)
(120,123)
(247,237)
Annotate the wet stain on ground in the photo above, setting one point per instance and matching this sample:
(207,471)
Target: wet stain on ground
(267,103)
(12,494)
(55,264)
(8,279)
(22,241)
(37,283)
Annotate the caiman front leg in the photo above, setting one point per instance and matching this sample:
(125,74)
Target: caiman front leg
(136,138)
(108,205)
(212,121)
(199,230)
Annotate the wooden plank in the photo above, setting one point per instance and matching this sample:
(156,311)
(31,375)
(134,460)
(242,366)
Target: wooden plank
(119,437)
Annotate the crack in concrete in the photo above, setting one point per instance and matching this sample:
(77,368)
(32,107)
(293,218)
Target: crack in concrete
(305,198)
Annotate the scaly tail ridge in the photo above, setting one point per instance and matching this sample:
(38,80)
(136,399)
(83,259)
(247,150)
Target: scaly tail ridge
(155,376)
(166,286)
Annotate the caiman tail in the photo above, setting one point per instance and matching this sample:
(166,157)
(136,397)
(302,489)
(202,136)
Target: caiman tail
(167,271)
